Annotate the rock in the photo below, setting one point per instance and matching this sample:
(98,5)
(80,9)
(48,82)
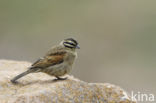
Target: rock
(40,88)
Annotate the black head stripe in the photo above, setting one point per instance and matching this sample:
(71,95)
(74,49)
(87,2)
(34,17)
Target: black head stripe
(70,43)
(68,46)
(71,39)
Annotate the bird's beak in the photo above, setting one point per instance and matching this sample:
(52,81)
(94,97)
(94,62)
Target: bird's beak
(77,47)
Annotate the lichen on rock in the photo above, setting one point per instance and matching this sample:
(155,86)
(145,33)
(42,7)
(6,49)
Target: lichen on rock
(40,88)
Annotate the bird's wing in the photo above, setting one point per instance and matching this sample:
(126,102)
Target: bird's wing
(50,60)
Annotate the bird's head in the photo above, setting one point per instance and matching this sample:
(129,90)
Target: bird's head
(70,43)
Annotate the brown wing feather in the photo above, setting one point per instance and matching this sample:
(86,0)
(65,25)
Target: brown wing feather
(50,60)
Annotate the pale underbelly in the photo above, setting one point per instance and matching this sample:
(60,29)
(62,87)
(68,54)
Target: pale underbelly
(57,70)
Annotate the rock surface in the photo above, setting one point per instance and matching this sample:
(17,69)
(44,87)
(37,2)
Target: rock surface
(40,88)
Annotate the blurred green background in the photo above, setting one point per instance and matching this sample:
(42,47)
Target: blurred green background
(117,37)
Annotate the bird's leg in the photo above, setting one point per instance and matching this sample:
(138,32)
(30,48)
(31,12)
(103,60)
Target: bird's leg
(58,78)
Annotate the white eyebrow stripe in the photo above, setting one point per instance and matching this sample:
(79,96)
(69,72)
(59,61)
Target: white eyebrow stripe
(71,42)
(66,44)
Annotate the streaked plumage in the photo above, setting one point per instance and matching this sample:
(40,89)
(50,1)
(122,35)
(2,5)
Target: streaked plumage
(57,62)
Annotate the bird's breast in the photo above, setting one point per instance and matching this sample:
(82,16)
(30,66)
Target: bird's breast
(70,58)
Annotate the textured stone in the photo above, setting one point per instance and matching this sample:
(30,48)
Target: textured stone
(40,88)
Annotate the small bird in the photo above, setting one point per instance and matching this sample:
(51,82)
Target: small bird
(57,62)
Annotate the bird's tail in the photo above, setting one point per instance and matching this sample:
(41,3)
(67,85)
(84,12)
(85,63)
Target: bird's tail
(21,75)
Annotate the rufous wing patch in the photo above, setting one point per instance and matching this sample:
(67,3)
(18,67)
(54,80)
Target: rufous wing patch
(50,60)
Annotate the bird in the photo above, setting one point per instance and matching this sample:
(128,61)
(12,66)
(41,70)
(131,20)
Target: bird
(57,62)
